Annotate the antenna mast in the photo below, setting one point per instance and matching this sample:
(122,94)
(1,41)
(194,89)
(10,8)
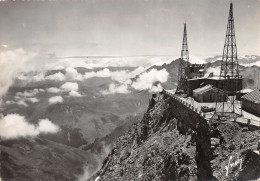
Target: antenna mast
(229,73)
(184,65)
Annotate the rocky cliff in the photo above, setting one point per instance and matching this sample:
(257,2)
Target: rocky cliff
(172,143)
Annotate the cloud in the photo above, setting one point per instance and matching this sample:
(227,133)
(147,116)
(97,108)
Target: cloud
(74,94)
(32,99)
(27,78)
(13,62)
(126,61)
(102,73)
(9,102)
(137,71)
(22,103)
(53,90)
(55,100)
(194,59)
(11,67)
(56,77)
(62,63)
(38,77)
(97,178)
(28,93)
(129,81)
(147,80)
(156,88)
(114,88)
(14,126)
(70,86)
(89,168)
(120,76)
(46,126)
(72,74)
(22,98)
(257,63)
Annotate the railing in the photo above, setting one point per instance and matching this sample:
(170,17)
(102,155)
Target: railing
(185,103)
(197,65)
(241,120)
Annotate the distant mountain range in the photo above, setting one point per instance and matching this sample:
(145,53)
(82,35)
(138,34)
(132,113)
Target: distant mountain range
(89,124)
(245,60)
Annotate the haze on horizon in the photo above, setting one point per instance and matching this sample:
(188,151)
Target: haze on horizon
(127,27)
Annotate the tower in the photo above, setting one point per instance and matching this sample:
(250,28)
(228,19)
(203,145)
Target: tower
(229,79)
(184,65)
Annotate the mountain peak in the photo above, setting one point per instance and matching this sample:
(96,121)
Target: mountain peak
(162,147)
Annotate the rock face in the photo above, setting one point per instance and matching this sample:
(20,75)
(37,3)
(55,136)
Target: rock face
(40,159)
(154,149)
(166,145)
(235,158)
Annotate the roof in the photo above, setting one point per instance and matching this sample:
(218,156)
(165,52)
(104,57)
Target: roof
(253,96)
(202,89)
(212,78)
(243,91)
(206,89)
(215,78)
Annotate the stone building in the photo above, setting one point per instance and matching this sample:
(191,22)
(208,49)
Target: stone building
(208,93)
(231,84)
(251,102)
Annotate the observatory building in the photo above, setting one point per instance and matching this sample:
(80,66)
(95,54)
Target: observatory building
(193,82)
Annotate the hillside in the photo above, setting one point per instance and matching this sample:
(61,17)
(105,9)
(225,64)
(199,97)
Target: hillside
(28,159)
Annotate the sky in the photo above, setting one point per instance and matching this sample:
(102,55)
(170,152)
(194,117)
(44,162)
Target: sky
(127,27)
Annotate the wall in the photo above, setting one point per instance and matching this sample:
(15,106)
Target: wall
(251,107)
(232,84)
(195,70)
(212,95)
(190,118)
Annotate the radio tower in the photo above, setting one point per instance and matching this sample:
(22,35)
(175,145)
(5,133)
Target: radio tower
(229,72)
(184,65)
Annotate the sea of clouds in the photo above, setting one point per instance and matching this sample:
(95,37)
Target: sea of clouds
(32,67)
(122,79)
(13,62)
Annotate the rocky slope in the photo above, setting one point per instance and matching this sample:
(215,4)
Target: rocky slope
(32,159)
(155,149)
